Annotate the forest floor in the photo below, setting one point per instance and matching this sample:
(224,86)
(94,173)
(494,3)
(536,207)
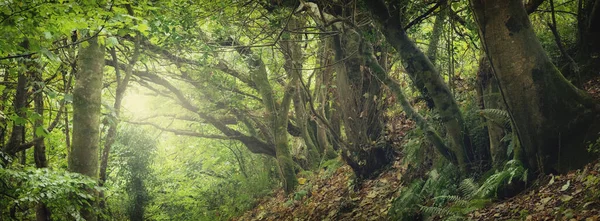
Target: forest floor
(572,196)
(332,195)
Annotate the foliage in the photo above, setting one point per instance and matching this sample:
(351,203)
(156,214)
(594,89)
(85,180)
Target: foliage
(512,174)
(430,193)
(497,116)
(65,193)
(332,165)
(189,160)
(203,182)
(132,154)
(594,147)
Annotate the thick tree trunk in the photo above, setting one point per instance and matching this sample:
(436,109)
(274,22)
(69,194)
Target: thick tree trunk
(86,115)
(359,99)
(360,96)
(551,117)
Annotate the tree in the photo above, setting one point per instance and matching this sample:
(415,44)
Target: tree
(87,93)
(427,77)
(552,118)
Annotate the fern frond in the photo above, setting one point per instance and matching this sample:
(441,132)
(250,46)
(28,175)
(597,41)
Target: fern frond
(468,188)
(513,169)
(435,211)
(461,203)
(497,116)
(448,198)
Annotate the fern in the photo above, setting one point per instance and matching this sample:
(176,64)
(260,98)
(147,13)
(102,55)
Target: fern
(435,211)
(512,170)
(413,152)
(450,198)
(468,188)
(497,116)
(405,207)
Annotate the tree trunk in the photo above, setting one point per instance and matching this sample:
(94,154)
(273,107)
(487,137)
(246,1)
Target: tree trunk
(431,135)
(428,79)
(277,113)
(322,97)
(302,120)
(86,115)
(551,117)
(42,212)
(360,96)
(492,99)
(3,99)
(19,104)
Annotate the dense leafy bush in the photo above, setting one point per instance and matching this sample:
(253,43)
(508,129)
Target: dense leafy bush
(63,192)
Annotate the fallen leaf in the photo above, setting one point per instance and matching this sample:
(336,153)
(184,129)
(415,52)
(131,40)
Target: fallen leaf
(301,180)
(545,200)
(566,186)
(566,198)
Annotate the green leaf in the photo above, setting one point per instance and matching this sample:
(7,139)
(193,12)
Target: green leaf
(41,132)
(18,120)
(47,35)
(51,94)
(143,27)
(49,54)
(69,98)
(112,41)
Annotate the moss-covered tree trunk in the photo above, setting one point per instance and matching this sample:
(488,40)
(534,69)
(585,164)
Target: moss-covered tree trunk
(551,117)
(322,97)
(359,96)
(292,52)
(426,77)
(276,113)
(87,93)
(361,105)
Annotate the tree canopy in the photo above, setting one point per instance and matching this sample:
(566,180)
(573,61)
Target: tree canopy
(197,110)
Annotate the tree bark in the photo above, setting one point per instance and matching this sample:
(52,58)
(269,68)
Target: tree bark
(42,212)
(277,113)
(86,115)
(492,99)
(551,117)
(19,105)
(428,79)
(359,96)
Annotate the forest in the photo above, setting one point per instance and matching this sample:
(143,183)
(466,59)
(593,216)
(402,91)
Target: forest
(299,110)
